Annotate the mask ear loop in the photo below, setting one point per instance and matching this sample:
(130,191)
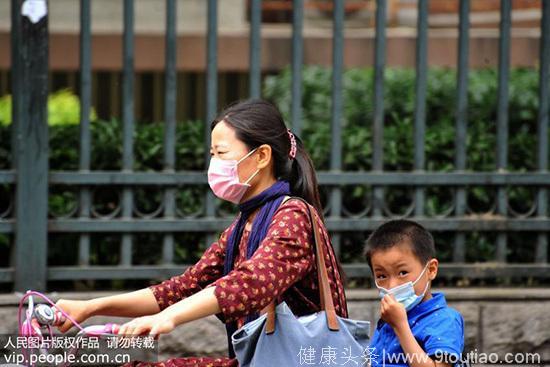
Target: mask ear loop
(251,177)
(426,287)
(242,159)
(427,283)
(422,273)
(247,155)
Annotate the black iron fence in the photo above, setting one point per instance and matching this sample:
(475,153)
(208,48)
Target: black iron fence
(27,220)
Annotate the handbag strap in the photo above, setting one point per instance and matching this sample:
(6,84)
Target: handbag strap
(327,304)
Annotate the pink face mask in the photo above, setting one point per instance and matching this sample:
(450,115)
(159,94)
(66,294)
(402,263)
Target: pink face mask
(223,178)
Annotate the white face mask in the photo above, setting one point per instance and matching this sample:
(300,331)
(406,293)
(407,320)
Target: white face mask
(405,293)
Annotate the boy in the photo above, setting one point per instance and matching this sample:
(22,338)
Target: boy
(416,328)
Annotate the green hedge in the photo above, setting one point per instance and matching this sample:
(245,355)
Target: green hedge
(398,145)
(357,141)
(357,122)
(399,113)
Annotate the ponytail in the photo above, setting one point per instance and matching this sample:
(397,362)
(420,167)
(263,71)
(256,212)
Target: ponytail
(303,179)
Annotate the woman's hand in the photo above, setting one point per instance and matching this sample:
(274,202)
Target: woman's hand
(393,312)
(148,325)
(78,310)
(201,304)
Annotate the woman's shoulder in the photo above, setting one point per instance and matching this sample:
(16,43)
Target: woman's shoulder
(295,207)
(293,204)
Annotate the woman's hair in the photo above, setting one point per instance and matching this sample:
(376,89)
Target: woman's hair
(258,122)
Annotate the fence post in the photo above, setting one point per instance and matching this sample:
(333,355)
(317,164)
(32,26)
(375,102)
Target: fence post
(29,62)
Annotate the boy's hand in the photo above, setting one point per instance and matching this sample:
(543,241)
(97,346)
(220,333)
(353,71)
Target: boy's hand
(393,312)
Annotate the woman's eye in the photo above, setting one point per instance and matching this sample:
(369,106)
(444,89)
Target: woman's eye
(403,272)
(380,276)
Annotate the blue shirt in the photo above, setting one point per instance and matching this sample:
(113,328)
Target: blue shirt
(439,330)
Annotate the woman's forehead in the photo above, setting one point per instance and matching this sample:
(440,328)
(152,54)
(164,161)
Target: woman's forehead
(224,136)
(222,132)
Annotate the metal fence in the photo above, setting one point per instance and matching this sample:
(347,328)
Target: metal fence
(27,220)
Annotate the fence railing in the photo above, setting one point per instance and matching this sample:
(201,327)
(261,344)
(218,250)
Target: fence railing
(27,220)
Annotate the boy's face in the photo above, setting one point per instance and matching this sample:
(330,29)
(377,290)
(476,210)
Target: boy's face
(398,265)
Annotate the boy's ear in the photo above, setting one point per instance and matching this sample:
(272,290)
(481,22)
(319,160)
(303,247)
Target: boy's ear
(433,265)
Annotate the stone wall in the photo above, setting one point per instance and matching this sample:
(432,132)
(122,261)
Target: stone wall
(507,320)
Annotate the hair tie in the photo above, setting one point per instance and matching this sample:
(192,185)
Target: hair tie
(293,148)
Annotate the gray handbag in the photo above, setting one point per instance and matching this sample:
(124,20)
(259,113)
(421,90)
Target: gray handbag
(279,338)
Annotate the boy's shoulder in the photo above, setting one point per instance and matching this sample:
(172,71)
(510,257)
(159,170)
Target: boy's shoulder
(446,310)
(446,317)
(435,311)
(438,327)
(451,312)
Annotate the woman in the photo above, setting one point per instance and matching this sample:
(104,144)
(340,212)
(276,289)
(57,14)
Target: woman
(265,254)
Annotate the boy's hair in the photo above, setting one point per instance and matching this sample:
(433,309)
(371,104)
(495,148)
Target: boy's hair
(396,232)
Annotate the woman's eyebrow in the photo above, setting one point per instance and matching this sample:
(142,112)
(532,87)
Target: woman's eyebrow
(219,146)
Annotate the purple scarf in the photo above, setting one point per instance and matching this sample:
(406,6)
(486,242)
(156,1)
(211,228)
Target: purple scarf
(269,200)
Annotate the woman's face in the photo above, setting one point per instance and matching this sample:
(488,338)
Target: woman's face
(225,145)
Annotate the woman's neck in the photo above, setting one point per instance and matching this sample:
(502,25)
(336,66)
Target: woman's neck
(263,184)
